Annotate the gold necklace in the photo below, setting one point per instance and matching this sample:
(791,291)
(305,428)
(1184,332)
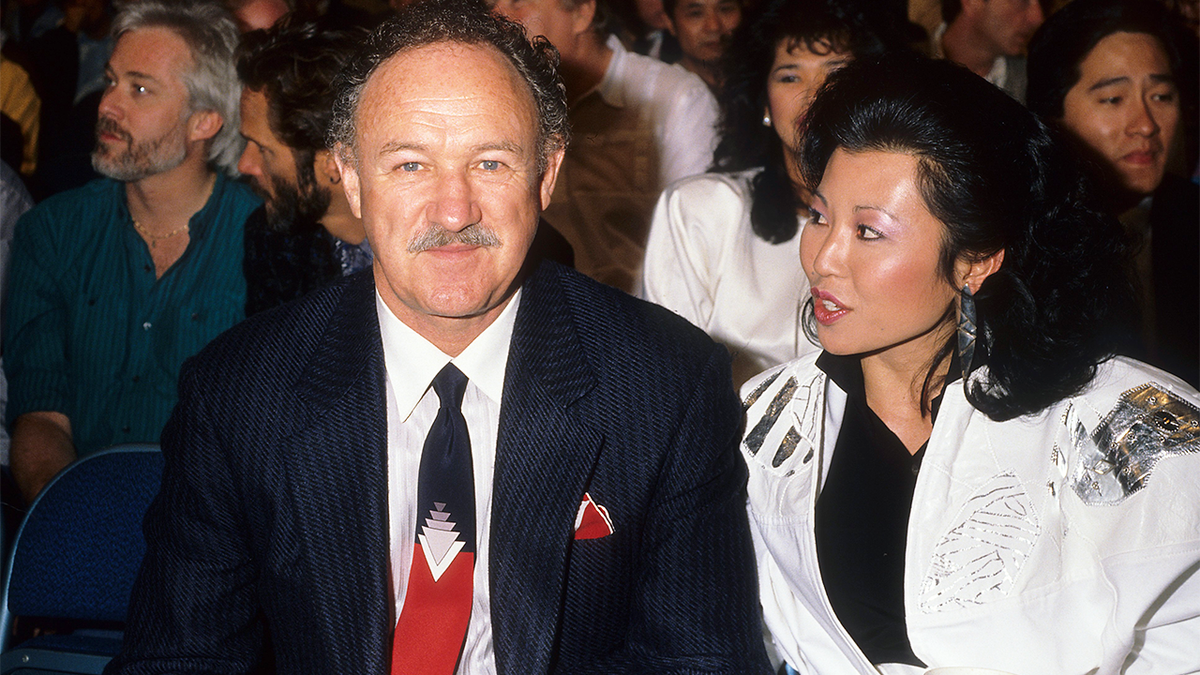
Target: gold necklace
(155,238)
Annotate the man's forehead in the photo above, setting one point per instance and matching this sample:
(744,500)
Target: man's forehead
(153,51)
(446,68)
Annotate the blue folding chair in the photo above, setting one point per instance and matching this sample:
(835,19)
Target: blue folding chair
(75,557)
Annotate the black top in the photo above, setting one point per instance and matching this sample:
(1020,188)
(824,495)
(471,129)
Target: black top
(862,521)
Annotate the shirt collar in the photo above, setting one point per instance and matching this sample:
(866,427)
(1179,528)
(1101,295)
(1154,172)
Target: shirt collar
(412,361)
(198,223)
(846,373)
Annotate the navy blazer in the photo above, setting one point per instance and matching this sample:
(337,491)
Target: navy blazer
(268,543)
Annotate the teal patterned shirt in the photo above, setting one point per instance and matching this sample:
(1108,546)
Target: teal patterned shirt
(89,331)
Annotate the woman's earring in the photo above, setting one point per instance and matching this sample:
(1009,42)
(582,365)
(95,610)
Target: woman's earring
(767,118)
(966,330)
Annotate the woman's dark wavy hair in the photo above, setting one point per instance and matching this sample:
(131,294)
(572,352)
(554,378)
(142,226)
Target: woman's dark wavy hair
(999,179)
(818,25)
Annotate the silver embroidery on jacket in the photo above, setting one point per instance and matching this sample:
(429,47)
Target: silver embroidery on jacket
(978,560)
(1117,460)
(758,434)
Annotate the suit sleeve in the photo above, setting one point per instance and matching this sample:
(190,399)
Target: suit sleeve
(193,608)
(696,609)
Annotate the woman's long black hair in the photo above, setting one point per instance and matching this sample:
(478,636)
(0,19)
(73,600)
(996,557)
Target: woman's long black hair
(817,25)
(998,179)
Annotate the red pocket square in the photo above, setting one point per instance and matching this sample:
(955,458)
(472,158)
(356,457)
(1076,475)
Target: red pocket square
(592,521)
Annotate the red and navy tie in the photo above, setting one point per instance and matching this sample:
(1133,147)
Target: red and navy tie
(437,605)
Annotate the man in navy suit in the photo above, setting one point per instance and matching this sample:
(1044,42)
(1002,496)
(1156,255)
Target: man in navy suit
(609,531)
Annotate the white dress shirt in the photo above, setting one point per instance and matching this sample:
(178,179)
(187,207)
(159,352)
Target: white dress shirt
(412,362)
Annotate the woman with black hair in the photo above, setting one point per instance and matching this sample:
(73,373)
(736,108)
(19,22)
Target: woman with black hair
(722,250)
(966,476)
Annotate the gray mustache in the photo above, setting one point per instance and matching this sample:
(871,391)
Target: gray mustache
(106,125)
(438,236)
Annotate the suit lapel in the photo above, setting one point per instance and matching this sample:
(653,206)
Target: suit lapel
(544,458)
(339,481)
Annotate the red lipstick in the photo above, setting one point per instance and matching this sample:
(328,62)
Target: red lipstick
(827,308)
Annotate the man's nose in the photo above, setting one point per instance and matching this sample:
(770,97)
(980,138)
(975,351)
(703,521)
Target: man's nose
(454,206)
(249,163)
(109,105)
(1142,123)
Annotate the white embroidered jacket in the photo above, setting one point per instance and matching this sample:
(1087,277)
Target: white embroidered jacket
(1064,542)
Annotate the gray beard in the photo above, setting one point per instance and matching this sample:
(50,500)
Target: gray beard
(137,160)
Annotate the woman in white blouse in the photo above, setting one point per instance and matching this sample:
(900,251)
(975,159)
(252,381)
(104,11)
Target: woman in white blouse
(966,476)
(722,248)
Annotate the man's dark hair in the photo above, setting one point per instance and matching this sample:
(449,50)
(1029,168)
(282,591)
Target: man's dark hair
(1068,36)
(670,5)
(293,65)
(998,179)
(462,21)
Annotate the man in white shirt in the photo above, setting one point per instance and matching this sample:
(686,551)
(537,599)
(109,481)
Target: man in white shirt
(639,125)
(989,37)
(595,518)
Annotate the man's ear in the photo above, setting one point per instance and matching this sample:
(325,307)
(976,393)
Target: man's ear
(582,17)
(550,176)
(347,167)
(204,124)
(325,168)
(671,26)
(972,273)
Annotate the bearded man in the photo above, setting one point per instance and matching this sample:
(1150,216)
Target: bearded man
(116,283)
(306,235)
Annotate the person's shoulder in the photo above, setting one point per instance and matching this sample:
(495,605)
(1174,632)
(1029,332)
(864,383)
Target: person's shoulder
(709,209)
(614,326)
(65,217)
(281,340)
(1125,379)
(87,197)
(665,80)
(236,194)
(782,378)
(707,188)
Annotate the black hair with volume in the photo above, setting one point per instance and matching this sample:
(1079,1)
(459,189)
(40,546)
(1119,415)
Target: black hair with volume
(998,179)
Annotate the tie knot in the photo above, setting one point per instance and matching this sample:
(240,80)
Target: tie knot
(450,385)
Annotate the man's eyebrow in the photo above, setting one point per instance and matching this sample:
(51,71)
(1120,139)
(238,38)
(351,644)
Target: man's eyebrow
(1160,78)
(397,146)
(136,74)
(502,146)
(1108,82)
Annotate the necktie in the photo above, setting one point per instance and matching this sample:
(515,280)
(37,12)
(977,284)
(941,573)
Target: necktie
(437,604)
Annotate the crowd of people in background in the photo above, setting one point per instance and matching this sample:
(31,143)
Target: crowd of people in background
(169,169)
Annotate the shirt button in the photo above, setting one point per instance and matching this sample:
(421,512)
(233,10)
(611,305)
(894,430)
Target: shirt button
(137,378)
(146,326)
(125,429)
